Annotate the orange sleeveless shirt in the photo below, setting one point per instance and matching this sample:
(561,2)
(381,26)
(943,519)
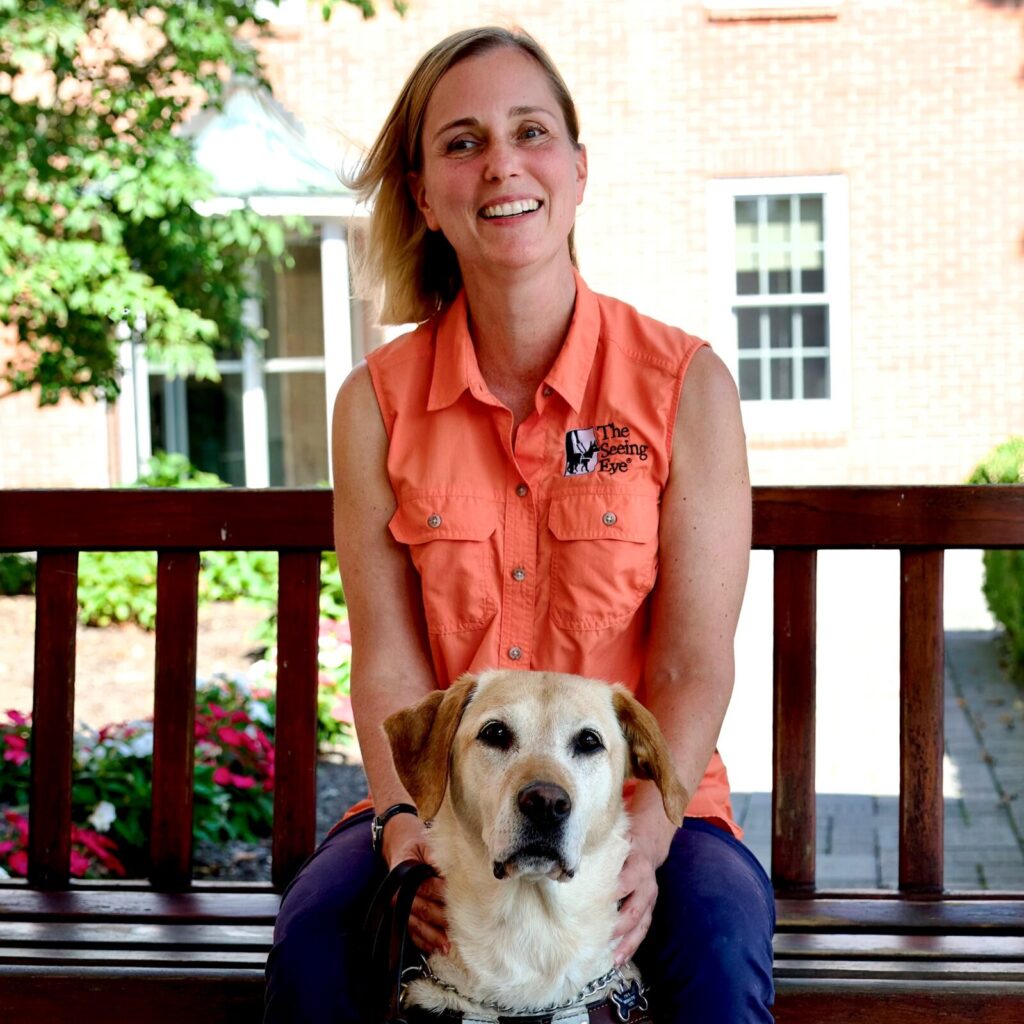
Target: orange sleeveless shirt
(539,554)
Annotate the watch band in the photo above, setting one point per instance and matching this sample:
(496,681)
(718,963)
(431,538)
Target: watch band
(378,823)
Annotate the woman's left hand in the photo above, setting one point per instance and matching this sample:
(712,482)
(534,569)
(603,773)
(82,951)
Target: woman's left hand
(650,838)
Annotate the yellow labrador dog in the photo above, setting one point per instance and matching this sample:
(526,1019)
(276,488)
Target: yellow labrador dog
(521,776)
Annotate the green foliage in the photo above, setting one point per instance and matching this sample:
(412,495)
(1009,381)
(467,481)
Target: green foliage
(112,778)
(1004,570)
(98,188)
(173,469)
(17,575)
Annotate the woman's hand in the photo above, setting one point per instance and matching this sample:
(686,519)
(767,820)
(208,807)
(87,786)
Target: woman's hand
(650,838)
(405,838)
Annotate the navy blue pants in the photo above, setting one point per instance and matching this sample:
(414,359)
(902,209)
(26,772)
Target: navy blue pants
(707,956)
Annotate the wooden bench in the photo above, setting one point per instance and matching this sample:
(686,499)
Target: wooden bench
(173,946)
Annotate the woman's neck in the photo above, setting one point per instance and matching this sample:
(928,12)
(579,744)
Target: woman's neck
(518,324)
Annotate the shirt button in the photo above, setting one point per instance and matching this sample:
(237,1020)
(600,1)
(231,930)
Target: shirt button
(434,521)
(519,574)
(609,518)
(515,653)
(522,490)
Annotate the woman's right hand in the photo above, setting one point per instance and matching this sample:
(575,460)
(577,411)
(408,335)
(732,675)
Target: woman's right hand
(405,838)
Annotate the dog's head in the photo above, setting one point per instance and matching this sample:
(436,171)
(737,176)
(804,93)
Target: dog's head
(532,762)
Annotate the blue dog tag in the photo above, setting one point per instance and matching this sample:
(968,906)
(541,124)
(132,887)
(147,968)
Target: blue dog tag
(626,999)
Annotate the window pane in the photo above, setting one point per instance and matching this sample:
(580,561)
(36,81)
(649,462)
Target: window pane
(295,306)
(750,379)
(812,232)
(812,280)
(748,328)
(297,428)
(747,282)
(815,323)
(780,274)
(215,439)
(816,378)
(746,222)
(781,327)
(811,244)
(779,214)
(782,378)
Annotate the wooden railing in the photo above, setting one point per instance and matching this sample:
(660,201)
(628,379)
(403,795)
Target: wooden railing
(920,522)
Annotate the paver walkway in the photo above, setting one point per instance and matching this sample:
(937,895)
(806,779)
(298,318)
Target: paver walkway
(858,834)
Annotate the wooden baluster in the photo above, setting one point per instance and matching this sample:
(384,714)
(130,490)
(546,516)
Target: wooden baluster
(174,715)
(793,793)
(922,669)
(295,732)
(53,718)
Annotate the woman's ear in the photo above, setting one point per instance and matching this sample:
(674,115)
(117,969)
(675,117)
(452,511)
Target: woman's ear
(414,180)
(581,173)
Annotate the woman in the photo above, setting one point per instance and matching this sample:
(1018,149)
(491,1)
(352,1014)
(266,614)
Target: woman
(510,480)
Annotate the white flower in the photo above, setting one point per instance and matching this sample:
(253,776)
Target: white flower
(141,745)
(3,874)
(103,816)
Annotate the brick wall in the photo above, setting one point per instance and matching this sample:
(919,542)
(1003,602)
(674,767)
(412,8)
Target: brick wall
(920,105)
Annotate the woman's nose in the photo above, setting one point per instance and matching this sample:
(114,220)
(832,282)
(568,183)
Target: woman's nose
(502,161)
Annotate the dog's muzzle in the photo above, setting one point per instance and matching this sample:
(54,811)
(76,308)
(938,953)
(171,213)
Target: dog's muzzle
(544,808)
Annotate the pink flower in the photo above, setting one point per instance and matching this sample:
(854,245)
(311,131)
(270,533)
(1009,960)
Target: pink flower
(223,777)
(18,863)
(18,718)
(17,749)
(79,864)
(231,736)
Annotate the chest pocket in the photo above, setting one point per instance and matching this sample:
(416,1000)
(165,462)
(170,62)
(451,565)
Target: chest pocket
(452,545)
(604,557)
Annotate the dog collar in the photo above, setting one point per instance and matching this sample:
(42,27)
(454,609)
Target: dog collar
(625,1003)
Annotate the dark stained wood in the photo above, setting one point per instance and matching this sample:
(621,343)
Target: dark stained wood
(295,733)
(104,995)
(922,653)
(227,519)
(869,1001)
(174,714)
(902,915)
(117,903)
(889,517)
(793,799)
(53,716)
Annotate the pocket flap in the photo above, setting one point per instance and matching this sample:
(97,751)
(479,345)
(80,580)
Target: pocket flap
(422,519)
(608,516)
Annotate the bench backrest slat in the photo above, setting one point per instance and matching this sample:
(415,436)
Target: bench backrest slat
(794,672)
(53,719)
(922,678)
(295,737)
(174,713)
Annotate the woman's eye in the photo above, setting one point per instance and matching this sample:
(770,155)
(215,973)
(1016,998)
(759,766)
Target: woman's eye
(533,131)
(460,145)
(496,735)
(587,741)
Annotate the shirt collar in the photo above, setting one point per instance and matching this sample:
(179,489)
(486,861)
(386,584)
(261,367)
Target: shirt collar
(456,369)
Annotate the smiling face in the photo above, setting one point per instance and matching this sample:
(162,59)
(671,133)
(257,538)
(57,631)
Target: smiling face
(501,176)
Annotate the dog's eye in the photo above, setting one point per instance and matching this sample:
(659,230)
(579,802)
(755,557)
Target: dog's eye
(587,741)
(497,735)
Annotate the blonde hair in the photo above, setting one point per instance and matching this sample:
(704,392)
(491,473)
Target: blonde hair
(416,268)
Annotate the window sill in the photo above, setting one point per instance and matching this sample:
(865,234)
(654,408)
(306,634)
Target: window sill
(771,10)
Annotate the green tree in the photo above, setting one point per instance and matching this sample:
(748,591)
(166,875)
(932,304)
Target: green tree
(98,226)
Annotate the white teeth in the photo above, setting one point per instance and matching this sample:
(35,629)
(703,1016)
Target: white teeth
(511,209)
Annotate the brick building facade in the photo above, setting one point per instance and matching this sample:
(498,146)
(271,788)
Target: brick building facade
(833,194)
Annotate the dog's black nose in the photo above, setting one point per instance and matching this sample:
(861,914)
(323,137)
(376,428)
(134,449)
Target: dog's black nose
(544,803)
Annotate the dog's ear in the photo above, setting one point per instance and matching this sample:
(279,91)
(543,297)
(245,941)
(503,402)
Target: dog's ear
(421,739)
(649,756)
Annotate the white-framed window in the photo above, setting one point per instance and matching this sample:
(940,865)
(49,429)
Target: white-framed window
(780,298)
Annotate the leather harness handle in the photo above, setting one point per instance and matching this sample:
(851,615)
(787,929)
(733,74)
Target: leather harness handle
(390,923)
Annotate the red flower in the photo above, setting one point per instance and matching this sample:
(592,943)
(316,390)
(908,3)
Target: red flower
(18,718)
(18,863)
(17,749)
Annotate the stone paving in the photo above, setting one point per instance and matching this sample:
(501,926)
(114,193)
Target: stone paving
(857,758)
(858,835)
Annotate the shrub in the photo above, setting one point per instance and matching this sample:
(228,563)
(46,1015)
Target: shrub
(334,653)
(17,575)
(1004,570)
(113,775)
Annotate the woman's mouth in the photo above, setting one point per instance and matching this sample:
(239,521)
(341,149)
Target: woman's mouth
(514,209)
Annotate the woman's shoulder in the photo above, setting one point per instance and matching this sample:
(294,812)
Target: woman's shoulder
(643,337)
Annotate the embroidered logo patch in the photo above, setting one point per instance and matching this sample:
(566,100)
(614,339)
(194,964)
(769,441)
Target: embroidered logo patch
(606,448)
